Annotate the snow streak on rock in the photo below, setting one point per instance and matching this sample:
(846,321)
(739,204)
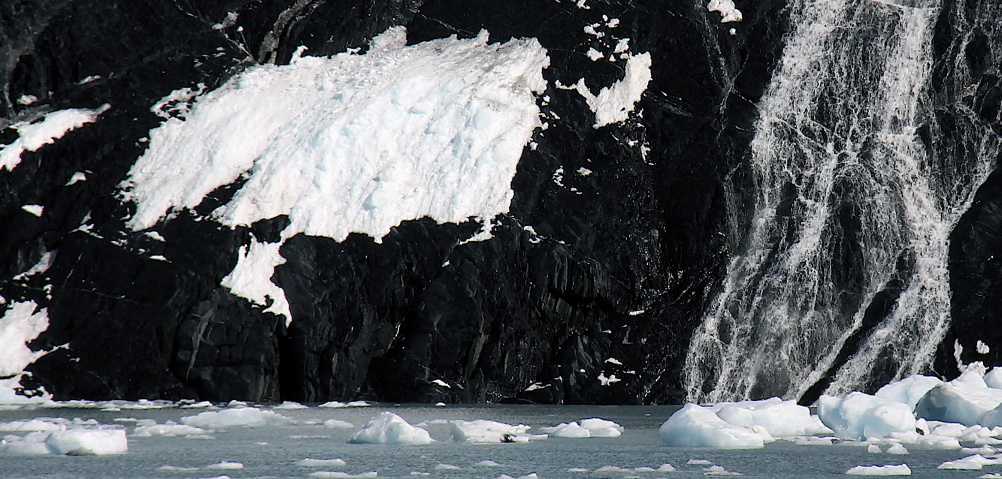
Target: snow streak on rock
(848,213)
(34,135)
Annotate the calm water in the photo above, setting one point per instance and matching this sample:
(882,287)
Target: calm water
(273,451)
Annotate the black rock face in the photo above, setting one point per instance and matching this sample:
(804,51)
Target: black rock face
(588,291)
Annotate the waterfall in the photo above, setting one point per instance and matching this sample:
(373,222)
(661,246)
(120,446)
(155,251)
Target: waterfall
(841,272)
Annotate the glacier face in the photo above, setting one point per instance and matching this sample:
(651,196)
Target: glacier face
(564,246)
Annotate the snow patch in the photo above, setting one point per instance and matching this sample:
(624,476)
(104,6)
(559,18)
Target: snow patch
(728,11)
(32,136)
(350,143)
(20,325)
(613,104)
(353,143)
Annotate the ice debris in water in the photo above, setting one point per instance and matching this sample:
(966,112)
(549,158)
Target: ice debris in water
(237,417)
(592,427)
(889,470)
(339,404)
(484,431)
(77,442)
(338,475)
(747,424)
(321,462)
(168,429)
(698,426)
(388,428)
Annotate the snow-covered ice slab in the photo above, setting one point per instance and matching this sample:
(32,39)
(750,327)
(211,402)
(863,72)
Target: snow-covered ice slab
(388,428)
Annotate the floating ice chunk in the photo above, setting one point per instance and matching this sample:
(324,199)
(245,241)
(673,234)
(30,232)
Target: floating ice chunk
(972,463)
(909,390)
(666,468)
(860,416)
(599,427)
(198,405)
(447,467)
(167,430)
(31,444)
(31,425)
(290,405)
(889,470)
(568,430)
(697,426)
(169,468)
(612,470)
(388,428)
(964,400)
(339,475)
(238,417)
(780,418)
(226,465)
(339,404)
(483,431)
(527,476)
(487,463)
(338,424)
(613,104)
(77,442)
(719,471)
(321,462)
(898,449)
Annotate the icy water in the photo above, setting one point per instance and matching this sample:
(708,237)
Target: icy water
(274,450)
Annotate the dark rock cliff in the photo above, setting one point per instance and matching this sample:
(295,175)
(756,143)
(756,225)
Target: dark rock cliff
(619,267)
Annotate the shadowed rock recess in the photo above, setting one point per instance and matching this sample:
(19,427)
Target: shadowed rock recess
(589,289)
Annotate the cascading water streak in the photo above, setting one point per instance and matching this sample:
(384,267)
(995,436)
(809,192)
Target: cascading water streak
(847,214)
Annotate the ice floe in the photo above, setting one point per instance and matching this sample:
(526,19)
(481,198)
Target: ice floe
(388,428)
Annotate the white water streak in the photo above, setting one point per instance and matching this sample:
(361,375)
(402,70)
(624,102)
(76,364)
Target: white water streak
(844,194)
